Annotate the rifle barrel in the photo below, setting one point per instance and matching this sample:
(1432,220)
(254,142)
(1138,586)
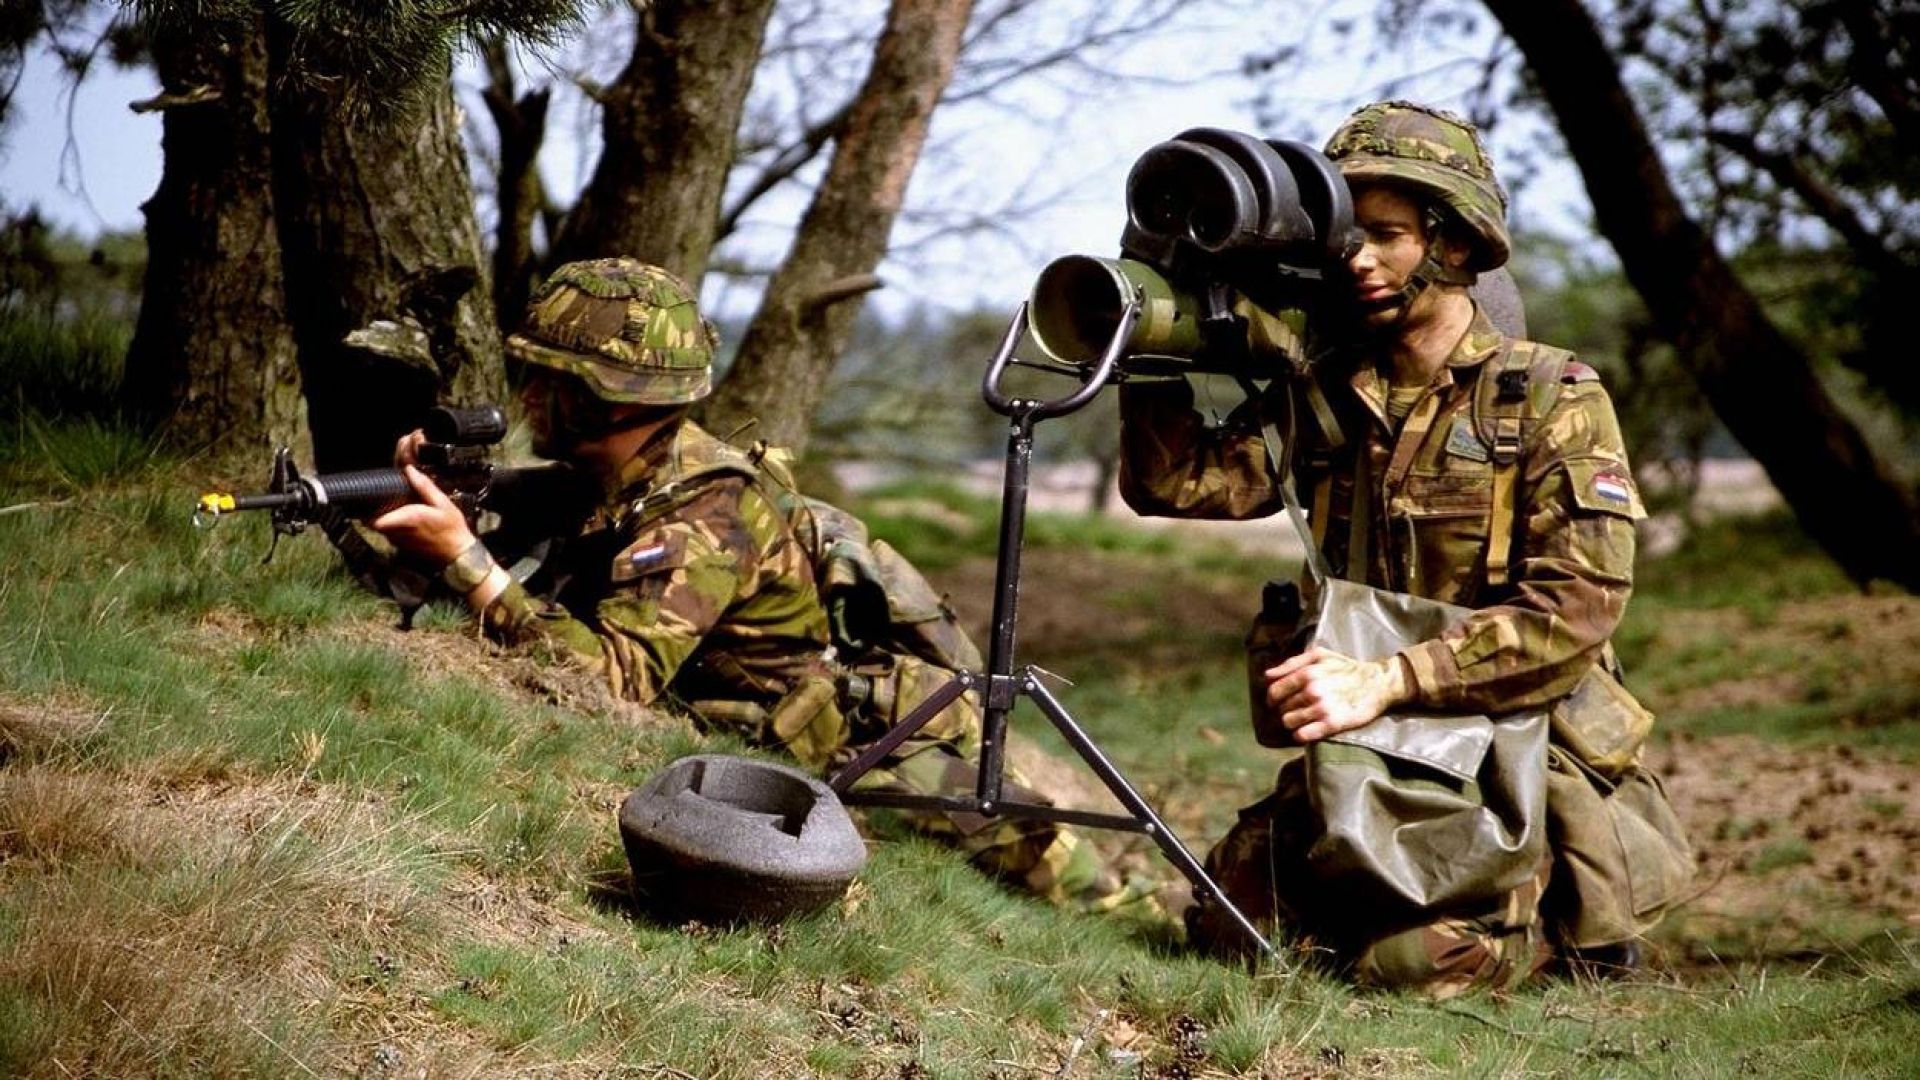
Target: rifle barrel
(367,489)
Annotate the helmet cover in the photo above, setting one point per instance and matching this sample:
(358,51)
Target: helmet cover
(1438,156)
(631,331)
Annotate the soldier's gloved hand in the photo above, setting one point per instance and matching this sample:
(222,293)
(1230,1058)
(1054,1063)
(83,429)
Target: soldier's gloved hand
(1321,692)
(433,529)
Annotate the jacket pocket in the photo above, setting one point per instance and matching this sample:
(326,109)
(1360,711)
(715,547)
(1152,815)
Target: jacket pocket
(1601,724)
(1439,525)
(1620,856)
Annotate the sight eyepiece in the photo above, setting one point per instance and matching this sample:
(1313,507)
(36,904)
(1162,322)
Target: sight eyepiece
(478,425)
(1214,193)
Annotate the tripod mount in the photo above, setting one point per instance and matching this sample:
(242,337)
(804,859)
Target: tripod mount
(1002,685)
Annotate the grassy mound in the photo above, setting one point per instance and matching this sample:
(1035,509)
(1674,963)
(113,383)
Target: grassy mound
(249,828)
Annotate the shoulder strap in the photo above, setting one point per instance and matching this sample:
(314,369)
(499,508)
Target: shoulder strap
(1280,466)
(1516,389)
(695,458)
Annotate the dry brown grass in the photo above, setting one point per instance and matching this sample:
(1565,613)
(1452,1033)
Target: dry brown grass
(40,729)
(167,924)
(139,957)
(182,924)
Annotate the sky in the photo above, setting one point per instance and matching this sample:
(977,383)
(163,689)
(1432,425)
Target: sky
(1071,146)
(115,150)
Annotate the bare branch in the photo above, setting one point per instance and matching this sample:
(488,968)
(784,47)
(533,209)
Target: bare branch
(1868,65)
(981,78)
(1819,198)
(984,26)
(198,95)
(839,289)
(790,160)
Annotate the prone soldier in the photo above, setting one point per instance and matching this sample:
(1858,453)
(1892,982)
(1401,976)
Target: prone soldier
(693,576)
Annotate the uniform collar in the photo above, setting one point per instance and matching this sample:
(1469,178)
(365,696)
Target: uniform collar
(1480,342)
(1475,347)
(653,461)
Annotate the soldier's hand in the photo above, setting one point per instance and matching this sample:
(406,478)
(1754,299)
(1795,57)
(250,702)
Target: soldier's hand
(407,450)
(1321,692)
(433,528)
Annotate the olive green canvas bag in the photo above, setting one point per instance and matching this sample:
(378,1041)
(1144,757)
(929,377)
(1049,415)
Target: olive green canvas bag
(1421,812)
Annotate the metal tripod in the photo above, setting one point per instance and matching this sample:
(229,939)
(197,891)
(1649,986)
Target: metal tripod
(1001,686)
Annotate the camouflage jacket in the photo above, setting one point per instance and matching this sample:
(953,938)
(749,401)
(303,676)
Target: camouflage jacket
(1412,511)
(685,577)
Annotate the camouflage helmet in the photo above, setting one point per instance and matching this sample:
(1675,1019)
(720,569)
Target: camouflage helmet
(632,332)
(1435,153)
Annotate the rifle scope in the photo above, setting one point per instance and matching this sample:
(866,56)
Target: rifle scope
(477,425)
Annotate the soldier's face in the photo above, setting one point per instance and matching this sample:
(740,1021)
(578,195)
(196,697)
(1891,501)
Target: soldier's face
(562,414)
(1395,245)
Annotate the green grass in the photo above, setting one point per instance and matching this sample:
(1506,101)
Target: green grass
(66,366)
(247,829)
(1792,851)
(1753,563)
(1874,717)
(938,525)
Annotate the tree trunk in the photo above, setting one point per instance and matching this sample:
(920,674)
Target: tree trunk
(668,127)
(1762,386)
(212,359)
(377,223)
(806,315)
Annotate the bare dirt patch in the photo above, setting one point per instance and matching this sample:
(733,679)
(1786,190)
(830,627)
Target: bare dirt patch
(1831,651)
(1073,602)
(1802,848)
(1799,849)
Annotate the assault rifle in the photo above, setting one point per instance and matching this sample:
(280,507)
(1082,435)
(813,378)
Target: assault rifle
(456,454)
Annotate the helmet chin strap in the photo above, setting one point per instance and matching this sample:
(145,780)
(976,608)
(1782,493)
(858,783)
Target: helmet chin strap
(1432,270)
(1401,297)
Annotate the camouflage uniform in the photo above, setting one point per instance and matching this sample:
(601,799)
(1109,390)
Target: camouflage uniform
(1411,507)
(698,585)
(690,580)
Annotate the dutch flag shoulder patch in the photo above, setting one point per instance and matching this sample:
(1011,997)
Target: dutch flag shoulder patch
(640,560)
(647,558)
(1614,487)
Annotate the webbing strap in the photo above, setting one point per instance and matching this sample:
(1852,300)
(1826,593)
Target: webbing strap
(1323,414)
(1501,516)
(1412,433)
(1508,407)
(1283,479)
(1322,509)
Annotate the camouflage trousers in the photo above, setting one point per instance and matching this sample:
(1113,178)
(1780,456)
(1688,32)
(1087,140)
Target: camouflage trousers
(1261,865)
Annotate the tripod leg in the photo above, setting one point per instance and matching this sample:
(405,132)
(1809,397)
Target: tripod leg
(901,732)
(1170,845)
